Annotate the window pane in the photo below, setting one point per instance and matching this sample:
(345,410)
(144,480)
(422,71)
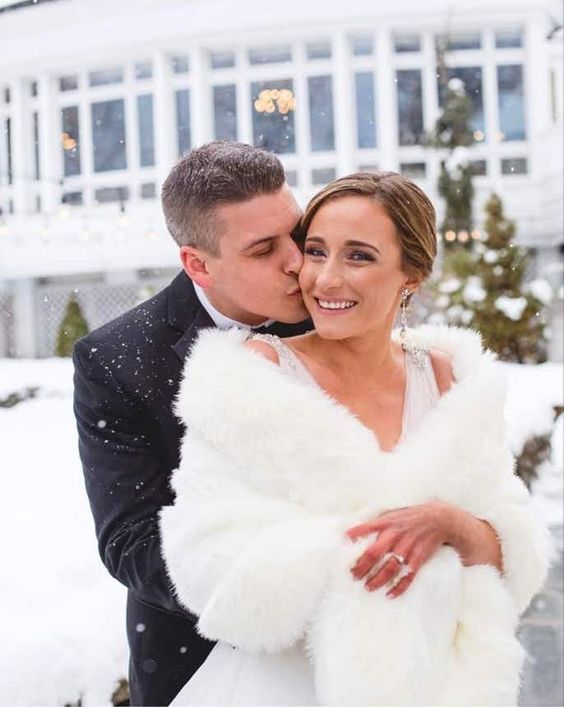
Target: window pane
(410,107)
(222,60)
(72,198)
(273,115)
(318,50)
(508,38)
(407,43)
(320,177)
(414,170)
(471,77)
(68,83)
(146,130)
(143,70)
(225,112)
(71,140)
(149,191)
(108,135)
(292,177)
(516,165)
(108,195)
(368,168)
(321,113)
(460,41)
(37,171)
(180,64)
(270,55)
(365,109)
(8,125)
(479,168)
(510,102)
(106,76)
(362,46)
(183,120)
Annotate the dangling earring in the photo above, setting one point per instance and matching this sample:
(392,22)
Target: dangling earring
(403,317)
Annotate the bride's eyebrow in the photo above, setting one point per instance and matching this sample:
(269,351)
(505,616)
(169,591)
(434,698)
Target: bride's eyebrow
(361,244)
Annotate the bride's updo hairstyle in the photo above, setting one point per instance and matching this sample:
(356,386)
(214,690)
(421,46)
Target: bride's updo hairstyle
(405,203)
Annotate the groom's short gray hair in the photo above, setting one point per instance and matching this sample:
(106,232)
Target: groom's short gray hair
(217,173)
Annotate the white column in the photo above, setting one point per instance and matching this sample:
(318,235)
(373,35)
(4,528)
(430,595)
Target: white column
(536,94)
(25,343)
(430,102)
(301,120)
(244,97)
(344,107)
(50,152)
(200,114)
(22,166)
(491,113)
(165,121)
(386,102)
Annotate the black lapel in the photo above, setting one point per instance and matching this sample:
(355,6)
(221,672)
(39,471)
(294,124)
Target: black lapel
(185,314)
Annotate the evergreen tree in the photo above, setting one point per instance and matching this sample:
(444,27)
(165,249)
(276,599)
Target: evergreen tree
(72,327)
(485,289)
(453,132)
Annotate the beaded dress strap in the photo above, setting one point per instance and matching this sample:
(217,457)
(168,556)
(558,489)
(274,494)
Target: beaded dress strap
(286,356)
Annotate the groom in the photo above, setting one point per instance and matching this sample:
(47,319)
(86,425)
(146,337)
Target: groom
(229,209)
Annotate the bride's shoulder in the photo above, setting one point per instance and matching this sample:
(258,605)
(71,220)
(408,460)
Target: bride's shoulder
(265,348)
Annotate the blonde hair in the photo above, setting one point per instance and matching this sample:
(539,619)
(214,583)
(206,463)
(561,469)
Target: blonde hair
(406,205)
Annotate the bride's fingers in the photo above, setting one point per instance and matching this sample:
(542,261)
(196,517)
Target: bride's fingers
(402,586)
(386,573)
(359,531)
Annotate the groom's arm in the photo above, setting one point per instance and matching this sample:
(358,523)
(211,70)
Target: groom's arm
(126,480)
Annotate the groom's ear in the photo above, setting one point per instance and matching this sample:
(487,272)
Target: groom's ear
(194,263)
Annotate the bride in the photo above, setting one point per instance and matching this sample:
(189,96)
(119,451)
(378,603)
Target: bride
(357,535)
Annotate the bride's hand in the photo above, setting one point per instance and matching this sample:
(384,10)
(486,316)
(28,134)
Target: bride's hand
(408,537)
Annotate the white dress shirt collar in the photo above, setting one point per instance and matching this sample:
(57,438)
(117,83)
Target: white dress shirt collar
(219,319)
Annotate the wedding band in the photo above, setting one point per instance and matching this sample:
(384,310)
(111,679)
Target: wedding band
(399,558)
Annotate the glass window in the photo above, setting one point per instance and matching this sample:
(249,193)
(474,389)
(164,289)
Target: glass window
(479,168)
(222,60)
(414,170)
(292,177)
(146,130)
(143,70)
(320,177)
(321,122)
(407,43)
(183,135)
(107,195)
(511,102)
(179,64)
(68,83)
(508,38)
(71,140)
(33,89)
(270,55)
(362,45)
(318,50)
(471,77)
(459,41)
(225,112)
(410,107)
(72,198)
(6,95)
(148,190)
(108,135)
(106,76)
(515,165)
(368,168)
(37,171)
(273,115)
(365,109)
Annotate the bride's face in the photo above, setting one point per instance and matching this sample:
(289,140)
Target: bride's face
(352,278)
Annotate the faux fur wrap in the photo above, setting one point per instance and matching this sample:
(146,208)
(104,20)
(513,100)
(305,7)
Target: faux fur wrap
(274,471)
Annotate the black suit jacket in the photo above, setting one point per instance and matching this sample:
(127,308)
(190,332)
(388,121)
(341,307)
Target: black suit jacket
(127,374)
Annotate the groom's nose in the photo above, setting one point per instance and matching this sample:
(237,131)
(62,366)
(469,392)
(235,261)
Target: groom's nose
(293,260)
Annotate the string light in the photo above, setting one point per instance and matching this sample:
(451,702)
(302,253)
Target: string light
(270,99)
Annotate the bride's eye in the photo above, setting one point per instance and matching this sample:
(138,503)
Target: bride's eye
(313,252)
(361,255)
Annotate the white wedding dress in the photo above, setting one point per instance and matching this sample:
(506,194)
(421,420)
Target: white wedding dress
(235,678)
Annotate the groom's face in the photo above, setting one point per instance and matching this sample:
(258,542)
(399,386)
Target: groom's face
(255,276)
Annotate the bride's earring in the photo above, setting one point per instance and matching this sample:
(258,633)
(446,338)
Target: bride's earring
(403,316)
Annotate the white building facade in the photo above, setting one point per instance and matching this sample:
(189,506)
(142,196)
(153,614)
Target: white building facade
(98,99)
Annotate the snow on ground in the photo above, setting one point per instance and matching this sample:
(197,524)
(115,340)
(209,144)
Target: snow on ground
(62,615)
